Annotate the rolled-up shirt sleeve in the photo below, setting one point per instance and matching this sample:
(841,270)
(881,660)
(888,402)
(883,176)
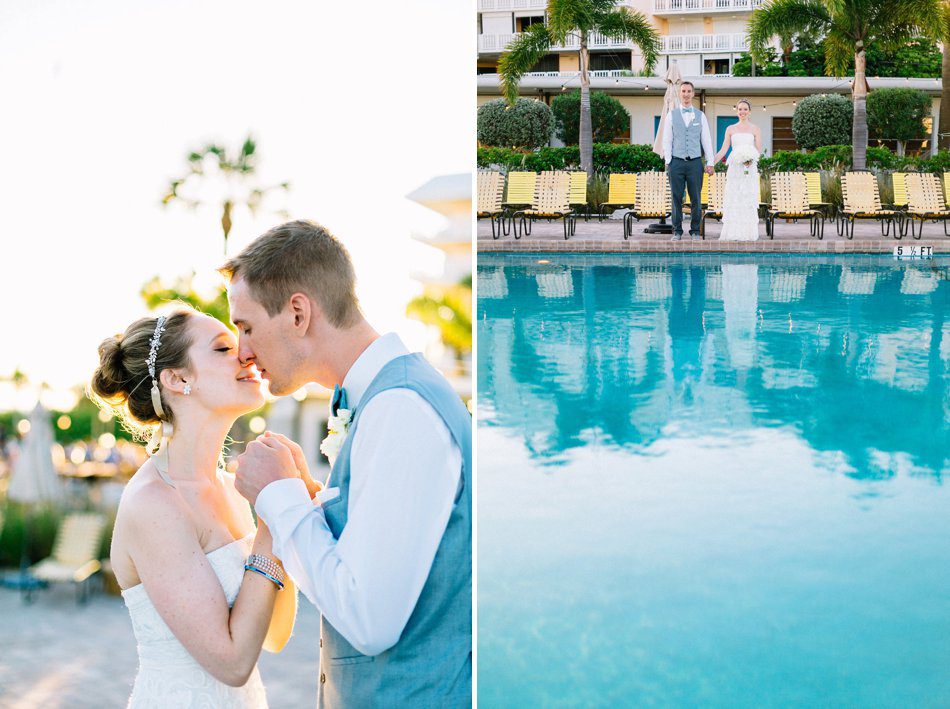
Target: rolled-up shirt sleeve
(668,136)
(405,469)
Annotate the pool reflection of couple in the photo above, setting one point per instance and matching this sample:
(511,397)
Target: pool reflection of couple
(685,139)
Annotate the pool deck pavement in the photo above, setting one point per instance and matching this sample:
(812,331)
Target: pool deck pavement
(607,237)
(55,653)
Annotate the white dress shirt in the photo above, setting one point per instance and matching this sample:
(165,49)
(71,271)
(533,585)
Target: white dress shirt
(405,471)
(687,119)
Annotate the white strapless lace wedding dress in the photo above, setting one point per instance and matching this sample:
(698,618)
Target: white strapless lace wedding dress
(168,676)
(740,203)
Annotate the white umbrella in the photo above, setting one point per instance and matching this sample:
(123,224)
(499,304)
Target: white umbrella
(673,80)
(34,477)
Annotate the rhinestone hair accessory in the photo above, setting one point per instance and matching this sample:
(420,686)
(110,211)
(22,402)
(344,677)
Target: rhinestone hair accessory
(158,446)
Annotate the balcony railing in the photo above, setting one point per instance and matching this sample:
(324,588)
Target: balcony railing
(694,43)
(686,6)
(499,42)
(493,5)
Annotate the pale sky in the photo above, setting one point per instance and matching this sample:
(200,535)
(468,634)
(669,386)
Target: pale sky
(356,104)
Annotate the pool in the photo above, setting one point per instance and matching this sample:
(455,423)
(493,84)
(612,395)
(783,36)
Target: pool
(713,480)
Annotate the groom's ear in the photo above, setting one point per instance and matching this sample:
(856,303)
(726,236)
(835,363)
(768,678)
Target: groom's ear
(302,311)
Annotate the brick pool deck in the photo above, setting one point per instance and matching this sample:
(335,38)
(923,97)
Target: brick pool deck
(607,237)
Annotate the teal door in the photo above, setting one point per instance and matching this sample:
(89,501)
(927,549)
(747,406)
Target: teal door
(723,122)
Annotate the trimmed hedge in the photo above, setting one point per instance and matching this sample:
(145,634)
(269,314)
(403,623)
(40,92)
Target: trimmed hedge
(838,158)
(527,124)
(609,119)
(608,157)
(822,119)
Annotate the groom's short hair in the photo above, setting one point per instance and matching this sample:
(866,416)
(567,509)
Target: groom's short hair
(684,83)
(299,257)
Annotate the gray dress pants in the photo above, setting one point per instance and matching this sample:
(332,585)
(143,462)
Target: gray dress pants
(688,173)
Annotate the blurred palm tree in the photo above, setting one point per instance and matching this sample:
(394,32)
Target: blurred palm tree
(229,182)
(449,309)
(157,292)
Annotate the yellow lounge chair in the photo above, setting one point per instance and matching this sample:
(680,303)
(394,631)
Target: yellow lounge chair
(925,202)
(75,553)
(653,200)
(490,188)
(790,201)
(621,193)
(551,201)
(862,200)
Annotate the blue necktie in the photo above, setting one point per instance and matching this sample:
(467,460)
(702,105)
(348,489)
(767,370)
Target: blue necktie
(339,399)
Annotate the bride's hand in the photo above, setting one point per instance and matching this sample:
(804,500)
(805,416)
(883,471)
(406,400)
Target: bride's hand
(300,462)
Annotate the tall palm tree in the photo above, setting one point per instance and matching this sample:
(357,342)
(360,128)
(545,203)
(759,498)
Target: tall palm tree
(234,177)
(569,21)
(849,27)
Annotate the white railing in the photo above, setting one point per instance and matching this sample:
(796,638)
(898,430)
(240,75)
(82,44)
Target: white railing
(601,73)
(668,6)
(595,40)
(692,43)
(492,5)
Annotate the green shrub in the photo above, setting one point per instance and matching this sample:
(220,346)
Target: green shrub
(898,114)
(527,124)
(822,119)
(43,522)
(608,157)
(609,119)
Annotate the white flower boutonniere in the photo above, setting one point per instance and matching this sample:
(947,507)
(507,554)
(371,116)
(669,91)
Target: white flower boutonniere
(338,427)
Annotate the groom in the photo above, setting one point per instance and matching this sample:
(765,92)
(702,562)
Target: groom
(385,551)
(685,138)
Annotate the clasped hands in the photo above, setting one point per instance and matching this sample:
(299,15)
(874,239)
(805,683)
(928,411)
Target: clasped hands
(269,458)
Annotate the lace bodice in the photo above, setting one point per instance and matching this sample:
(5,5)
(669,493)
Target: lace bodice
(168,675)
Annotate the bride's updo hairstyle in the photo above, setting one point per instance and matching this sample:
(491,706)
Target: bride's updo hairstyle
(122,384)
(746,102)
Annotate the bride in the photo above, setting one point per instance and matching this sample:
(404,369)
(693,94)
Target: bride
(202,585)
(740,205)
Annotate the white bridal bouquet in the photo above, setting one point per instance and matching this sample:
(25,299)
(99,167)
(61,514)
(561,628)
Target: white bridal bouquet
(745,154)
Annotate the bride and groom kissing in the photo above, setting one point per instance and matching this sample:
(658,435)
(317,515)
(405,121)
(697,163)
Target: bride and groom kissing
(383,549)
(685,139)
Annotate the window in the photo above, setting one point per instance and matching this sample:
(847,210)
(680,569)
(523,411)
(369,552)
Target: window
(549,62)
(716,66)
(609,61)
(523,23)
(782,136)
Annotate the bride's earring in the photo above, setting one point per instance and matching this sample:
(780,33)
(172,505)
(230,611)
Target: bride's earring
(187,389)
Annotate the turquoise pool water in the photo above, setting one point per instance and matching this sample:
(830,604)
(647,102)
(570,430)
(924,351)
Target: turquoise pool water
(713,481)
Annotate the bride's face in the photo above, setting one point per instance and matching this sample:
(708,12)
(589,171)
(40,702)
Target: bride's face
(743,110)
(218,381)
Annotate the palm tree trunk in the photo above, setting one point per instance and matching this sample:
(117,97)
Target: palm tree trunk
(226,223)
(859,94)
(943,128)
(586,135)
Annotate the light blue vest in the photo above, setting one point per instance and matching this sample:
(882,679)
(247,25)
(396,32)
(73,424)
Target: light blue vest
(687,140)
(431,665)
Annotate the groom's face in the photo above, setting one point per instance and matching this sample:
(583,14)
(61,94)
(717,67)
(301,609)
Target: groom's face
(686,94)
(264,340)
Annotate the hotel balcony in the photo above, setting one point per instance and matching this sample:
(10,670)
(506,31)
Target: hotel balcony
(702,7)
(696,43)
(511,5)
(497,43)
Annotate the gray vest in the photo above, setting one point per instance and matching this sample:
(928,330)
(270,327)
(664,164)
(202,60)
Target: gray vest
(431,664)
(687,140)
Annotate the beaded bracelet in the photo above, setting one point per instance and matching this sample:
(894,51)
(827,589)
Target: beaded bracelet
(265,567)
(248,567)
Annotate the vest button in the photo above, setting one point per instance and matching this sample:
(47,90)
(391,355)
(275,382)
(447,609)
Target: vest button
(323,678)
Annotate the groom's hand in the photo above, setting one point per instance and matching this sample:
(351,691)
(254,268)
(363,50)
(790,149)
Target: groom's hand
(710,170)
(263,461)
(300,461)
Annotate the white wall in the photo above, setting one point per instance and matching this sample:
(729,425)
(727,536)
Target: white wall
(496,22)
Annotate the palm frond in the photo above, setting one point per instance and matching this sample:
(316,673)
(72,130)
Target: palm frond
(631,25)
(904,20)
(523,53)
(785,17)
(839,53)
(566,16)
